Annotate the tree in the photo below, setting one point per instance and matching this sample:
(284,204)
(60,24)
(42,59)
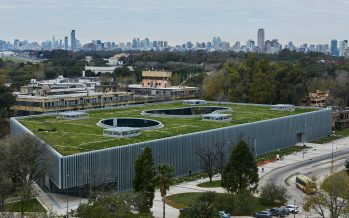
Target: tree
(7,99)
(6,186)
(202,209)
(163,178)
(110,206)
(272,193)
(241,172)
(332,197)
(26,162)
(143,181)
(220,155)
(206,157)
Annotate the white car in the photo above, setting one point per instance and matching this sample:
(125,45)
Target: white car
(292,208)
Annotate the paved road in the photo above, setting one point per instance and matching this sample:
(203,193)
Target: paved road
(319,166)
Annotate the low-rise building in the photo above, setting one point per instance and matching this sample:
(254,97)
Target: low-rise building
(316,99)
(340,118)
(158,83)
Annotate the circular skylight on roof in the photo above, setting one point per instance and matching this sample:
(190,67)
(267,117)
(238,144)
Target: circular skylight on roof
(140,123)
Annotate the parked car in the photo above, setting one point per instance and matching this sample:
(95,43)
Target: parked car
(347,163)
(223,214)
(285,210)
(292,208)
(279,212)
(263,214)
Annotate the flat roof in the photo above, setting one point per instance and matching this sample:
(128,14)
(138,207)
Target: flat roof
(121,129)
(72,113)
(74,95)
(217,115)
(139,86)
(156,73)
(84,135)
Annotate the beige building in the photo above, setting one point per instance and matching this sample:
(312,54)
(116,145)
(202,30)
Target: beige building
(316,99)
(158,83)
(156,79)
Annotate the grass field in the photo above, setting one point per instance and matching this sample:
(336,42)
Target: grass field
(338,135)
(213,184)
(185,200)
(70,137)
(31,205)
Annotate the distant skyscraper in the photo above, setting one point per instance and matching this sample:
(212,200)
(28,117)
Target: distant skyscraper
(73,40)
(260,40)
(66,45)
(334,47)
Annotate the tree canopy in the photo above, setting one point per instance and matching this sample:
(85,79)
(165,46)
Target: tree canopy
(240,173)
(144,179)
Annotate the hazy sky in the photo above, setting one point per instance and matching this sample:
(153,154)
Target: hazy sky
(312,21)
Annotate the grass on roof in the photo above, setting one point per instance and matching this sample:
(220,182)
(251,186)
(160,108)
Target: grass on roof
(76,136)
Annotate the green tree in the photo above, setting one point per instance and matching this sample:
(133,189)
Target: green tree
(240,173)
(332,197)
(272,193)
(144,181)
(202,209)
(7,99)
(110,206)
(163,178)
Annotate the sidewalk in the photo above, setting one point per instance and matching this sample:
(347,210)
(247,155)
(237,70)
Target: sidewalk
(317,150)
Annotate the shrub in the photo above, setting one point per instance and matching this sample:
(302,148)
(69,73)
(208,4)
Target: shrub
(272,193)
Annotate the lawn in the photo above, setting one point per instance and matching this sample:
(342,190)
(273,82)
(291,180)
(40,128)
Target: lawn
(338,135)
(71,137)
(185,200)
(282,152)
(32,205)
(213,184)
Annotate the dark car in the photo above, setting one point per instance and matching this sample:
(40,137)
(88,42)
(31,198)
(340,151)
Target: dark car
(347,164)
(263,214)
(279,212)
(285,210)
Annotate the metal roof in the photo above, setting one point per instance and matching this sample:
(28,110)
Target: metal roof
(121,129)
(72,113)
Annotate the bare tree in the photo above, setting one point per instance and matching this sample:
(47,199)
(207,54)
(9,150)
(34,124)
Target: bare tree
(221,152)
(331,198)
(27,162)
(206,157)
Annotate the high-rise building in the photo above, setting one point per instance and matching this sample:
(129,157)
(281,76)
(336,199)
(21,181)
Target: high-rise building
(73,40)
(66,45)
(260,40)
(334,47)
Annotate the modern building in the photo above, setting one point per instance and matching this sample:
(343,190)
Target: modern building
(261,40)
(334,48)
(73,40)
(113,161)
(64,94)
(66,44)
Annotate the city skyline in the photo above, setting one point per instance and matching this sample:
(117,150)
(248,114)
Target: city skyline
(175,21)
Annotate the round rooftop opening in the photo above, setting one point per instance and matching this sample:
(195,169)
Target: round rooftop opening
(130,122)
(186,111)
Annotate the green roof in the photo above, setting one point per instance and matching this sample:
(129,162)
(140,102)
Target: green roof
(76,136)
